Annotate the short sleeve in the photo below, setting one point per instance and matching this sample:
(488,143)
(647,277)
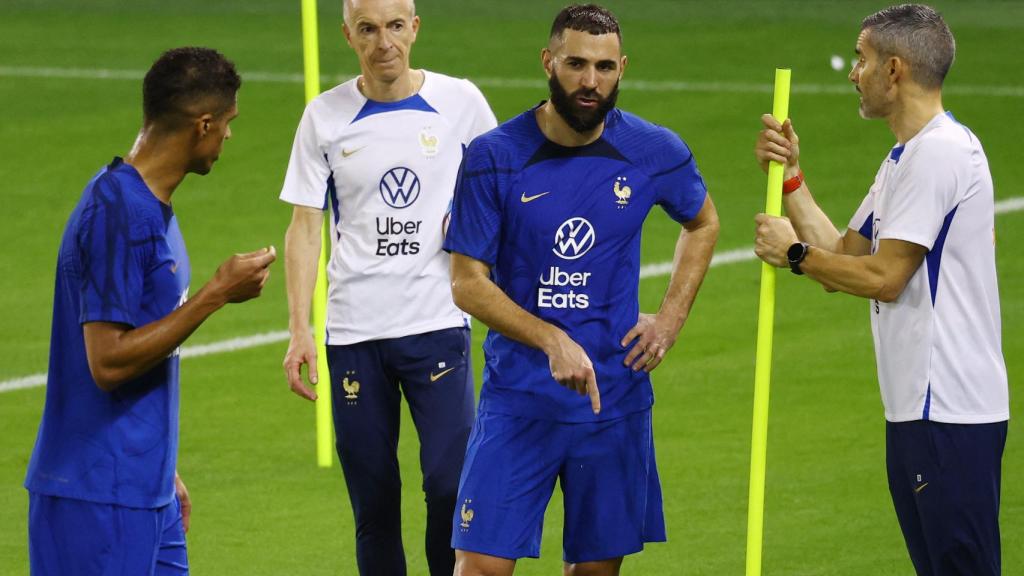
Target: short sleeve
(475,226)
(863,219)
(678,184)
(924,193)
(306,181)
(483,117)
(112,267)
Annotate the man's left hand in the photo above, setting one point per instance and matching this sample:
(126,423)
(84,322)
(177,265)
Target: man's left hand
(653,335)
(774,237)
(186,502)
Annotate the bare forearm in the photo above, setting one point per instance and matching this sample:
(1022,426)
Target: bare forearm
(118,355)
(693,253)
(812,225)
(481,298)
(857,275)
(302,258)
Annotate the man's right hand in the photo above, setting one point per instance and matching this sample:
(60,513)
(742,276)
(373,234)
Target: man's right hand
(780,143)
(572,368)
(242,276)
(301,350)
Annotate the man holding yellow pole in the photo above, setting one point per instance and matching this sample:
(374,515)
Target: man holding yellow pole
(381,152)
(921,249)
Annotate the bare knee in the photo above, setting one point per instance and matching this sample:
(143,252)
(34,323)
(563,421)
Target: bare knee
(600,568)
(474,564)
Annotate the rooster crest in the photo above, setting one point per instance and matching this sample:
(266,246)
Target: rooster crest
(352,387)
(428,142)
(622,192)
(466,514)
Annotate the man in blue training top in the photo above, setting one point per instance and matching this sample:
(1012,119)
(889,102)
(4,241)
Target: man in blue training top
(105,497)
(545,242)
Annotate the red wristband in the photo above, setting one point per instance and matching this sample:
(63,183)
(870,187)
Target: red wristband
(793,184)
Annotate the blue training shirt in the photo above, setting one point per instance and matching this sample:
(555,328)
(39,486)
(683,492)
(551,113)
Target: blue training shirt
(122,259)
(560,228)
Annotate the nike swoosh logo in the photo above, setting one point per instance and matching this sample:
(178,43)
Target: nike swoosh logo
(347,153)
(439,375)
(919,488)
(526,198)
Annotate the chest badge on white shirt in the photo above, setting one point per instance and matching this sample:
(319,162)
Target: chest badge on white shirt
(428,142)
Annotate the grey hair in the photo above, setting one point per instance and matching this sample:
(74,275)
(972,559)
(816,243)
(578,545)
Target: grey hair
(917,34)
(345,5)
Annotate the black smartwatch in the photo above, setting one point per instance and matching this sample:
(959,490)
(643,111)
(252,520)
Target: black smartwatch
(796,254)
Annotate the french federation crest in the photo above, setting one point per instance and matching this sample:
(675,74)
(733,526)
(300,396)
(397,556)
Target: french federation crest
(350,386)
(428,143)
(622,192)
(466,514)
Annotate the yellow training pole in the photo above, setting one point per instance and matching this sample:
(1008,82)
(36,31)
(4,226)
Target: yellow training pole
(763,363)
(324,426)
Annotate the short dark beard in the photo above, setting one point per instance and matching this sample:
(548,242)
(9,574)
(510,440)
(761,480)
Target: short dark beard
(577,118)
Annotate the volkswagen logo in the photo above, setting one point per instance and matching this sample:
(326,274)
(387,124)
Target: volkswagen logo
(399,187)
(574,238)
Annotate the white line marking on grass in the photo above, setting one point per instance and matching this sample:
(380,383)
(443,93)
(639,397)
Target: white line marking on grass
(527,83)
(234,344)
(25,382)
(1010,205)
(745,254)
(230,345)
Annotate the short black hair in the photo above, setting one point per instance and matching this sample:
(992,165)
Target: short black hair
(919,35)
(183,77)
(586,18)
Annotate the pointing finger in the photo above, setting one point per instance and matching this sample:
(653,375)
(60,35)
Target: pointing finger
(595,394)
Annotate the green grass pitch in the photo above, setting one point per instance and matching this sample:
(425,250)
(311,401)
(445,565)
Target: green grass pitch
(247,451)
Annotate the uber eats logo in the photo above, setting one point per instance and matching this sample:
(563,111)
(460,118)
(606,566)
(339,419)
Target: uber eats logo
(574,238)
(399,188)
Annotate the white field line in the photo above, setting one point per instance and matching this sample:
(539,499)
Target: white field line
(244,342)
(485,82)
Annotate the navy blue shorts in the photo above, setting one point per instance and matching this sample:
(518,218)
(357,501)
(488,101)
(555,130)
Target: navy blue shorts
(944,480)
(69,537)
(608,476)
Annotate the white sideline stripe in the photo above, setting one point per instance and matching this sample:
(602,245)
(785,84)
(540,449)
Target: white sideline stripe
(328,80)
(1010,205)
(242,343)
(234,344)
(229,345)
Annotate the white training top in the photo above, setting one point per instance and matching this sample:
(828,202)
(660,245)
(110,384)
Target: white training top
(386,171)
(938,346)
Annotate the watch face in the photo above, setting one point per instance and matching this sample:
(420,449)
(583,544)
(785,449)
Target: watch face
(796,252)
